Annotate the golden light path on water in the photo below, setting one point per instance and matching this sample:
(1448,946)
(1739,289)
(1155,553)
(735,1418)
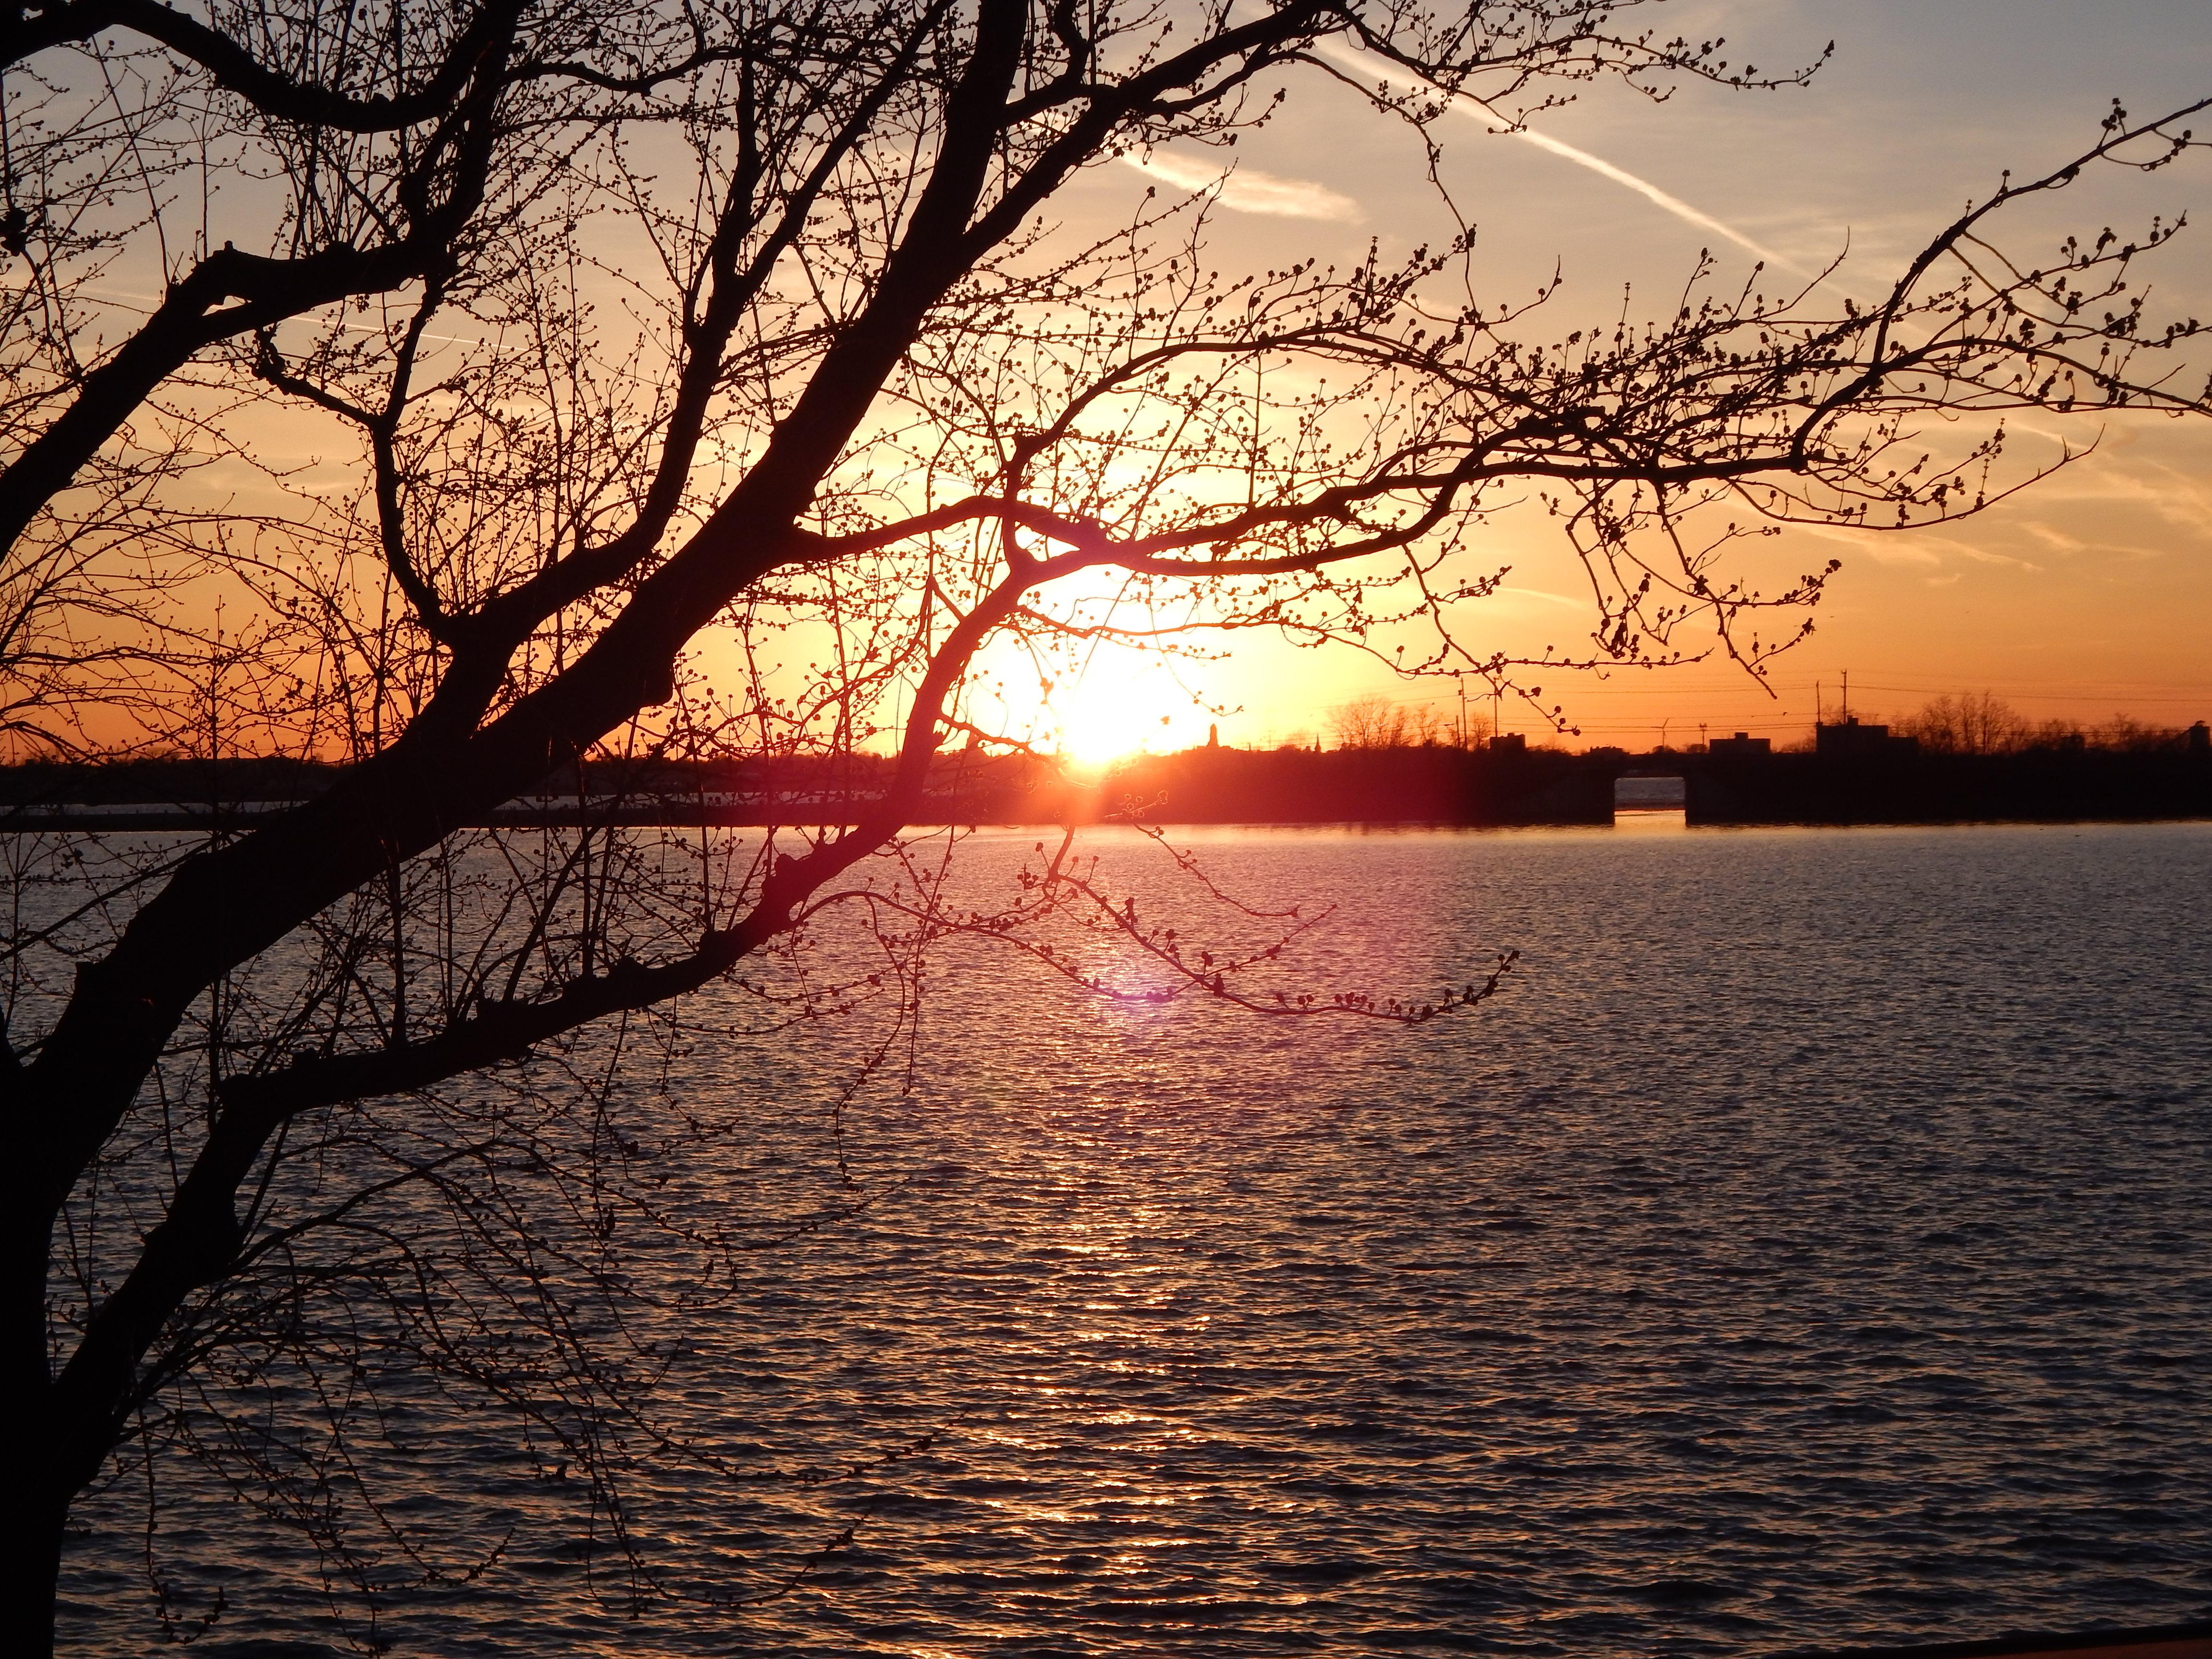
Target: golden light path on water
(1808,1247)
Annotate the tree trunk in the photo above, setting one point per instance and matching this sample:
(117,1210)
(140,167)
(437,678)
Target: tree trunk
(34,1505)
(30,1553)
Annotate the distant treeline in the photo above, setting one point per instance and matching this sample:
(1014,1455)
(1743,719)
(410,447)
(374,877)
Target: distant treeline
(163,780)
(1983,723)
(2125,771)
(1402,783)
(1907,785)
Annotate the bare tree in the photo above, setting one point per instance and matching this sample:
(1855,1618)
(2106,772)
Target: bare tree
(1969,723)
(656,337)
(2126,734)
(1368,721)
(1375,721)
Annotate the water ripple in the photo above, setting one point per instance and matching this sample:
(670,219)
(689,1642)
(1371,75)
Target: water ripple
(1810,1248)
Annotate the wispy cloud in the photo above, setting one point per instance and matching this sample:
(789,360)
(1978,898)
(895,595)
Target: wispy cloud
(146,304)
(2067,544)
(1247,189)
(2114,482)
(1922,545)
(1508,593)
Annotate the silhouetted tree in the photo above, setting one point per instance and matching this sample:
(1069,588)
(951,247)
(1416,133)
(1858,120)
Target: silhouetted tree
(496,366)
(1374,722)
(1969,723)
(2126,734)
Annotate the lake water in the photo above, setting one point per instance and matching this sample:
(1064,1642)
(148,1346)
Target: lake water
(1808,1247)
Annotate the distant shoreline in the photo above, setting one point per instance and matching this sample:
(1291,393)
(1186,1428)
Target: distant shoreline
(1844,782)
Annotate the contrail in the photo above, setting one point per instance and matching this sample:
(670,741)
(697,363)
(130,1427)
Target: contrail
(1476,109)
(1605,169)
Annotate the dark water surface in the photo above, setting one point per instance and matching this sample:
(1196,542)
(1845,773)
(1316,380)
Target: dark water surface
(1810,1247)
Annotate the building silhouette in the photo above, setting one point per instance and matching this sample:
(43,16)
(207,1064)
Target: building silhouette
(1849,738)
(1742,746)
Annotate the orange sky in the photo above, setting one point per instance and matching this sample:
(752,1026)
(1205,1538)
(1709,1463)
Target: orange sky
(2091,594)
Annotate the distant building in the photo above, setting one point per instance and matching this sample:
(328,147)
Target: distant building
(1740,744)
(1509,743)
(1850,740)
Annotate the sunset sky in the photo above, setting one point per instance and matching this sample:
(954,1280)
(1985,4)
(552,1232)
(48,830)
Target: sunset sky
(2089,595)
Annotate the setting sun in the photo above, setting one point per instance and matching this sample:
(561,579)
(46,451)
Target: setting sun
(1103,722)
(1116,702)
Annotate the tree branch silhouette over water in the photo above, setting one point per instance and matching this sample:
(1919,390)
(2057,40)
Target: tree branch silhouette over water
(458,394)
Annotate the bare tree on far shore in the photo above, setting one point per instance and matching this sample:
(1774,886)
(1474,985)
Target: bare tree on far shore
(1374,721)
(1983,723)
(1968,723)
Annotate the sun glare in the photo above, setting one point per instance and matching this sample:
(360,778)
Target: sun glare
(1119,702)
(1105,720)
